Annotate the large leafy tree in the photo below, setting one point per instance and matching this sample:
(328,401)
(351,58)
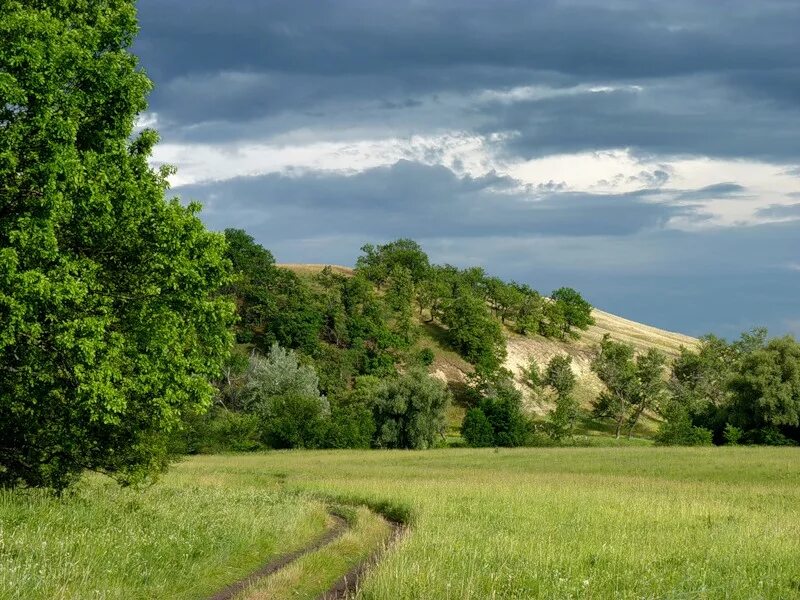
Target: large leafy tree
(111,324)
(766,393)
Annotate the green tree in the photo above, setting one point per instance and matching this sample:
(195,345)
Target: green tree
(399,297)
(530,312)
(284,394)
(476,429)
(634,384)
(474,333)
(615,367)
(766,393)
(352,424)
(553,323)
(274,305)
(577,311)
(561,379)
(533,375)
(378,262)
(112,325)
(409,411)
(651,387)
(502,407)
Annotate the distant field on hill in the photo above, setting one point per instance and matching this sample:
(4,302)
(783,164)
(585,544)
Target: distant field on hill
(526,523)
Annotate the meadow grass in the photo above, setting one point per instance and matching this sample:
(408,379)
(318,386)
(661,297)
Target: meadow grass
(186,537)
(620,522)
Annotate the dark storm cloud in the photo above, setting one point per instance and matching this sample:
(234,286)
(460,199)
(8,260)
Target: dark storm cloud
(672,117)
(414,200)
(301,62)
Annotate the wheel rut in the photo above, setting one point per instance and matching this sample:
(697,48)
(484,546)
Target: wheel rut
(342,588)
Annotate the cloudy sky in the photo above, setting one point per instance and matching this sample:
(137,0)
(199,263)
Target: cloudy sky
(645,153)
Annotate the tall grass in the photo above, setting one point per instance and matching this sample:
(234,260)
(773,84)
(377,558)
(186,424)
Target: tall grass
(575,523)
(183,538)
(623,522)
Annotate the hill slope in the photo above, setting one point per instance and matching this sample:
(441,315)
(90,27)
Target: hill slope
(450,367)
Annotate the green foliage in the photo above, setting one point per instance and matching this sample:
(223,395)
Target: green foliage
(378,262)
(559,377)
(530,312)
(474,333)
(426,357)
(501,408)
(294,421)
(476,429)
(533,375)
(409,411)
(633,385)
(677,429)
(749,389)
(279,374)
(577,311)
(732,434)
(399,298)
(351,423)
(766,388)
(284,394)
(554,322)
(218,430)
(274,305)
(112,325)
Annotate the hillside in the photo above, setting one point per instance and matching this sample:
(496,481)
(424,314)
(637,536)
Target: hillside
(450,367)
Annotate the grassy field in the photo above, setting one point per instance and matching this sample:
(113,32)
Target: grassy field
(622,522)
(185,537)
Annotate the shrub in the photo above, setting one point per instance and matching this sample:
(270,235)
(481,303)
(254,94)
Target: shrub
(293,421)
(732,434)
(284,394)
(426,357)
(352,424)
(409,411)
(678,430)
(219,430)
(533,375)
(476,429)
(502,407)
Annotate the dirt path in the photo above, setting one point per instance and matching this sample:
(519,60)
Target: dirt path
(346,586)
(339,528)
(343,587)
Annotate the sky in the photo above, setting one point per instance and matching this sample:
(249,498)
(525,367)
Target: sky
(644,153)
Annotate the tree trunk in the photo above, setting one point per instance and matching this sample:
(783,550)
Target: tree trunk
(635,421)
(619,427)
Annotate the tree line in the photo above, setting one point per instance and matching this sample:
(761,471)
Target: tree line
(344,348)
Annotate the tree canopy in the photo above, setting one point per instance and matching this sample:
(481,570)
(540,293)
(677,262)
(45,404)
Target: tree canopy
(112,324)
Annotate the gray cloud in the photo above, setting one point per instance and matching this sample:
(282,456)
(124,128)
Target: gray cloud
(780,211)
(664,79)
(717,80)
(414,200)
